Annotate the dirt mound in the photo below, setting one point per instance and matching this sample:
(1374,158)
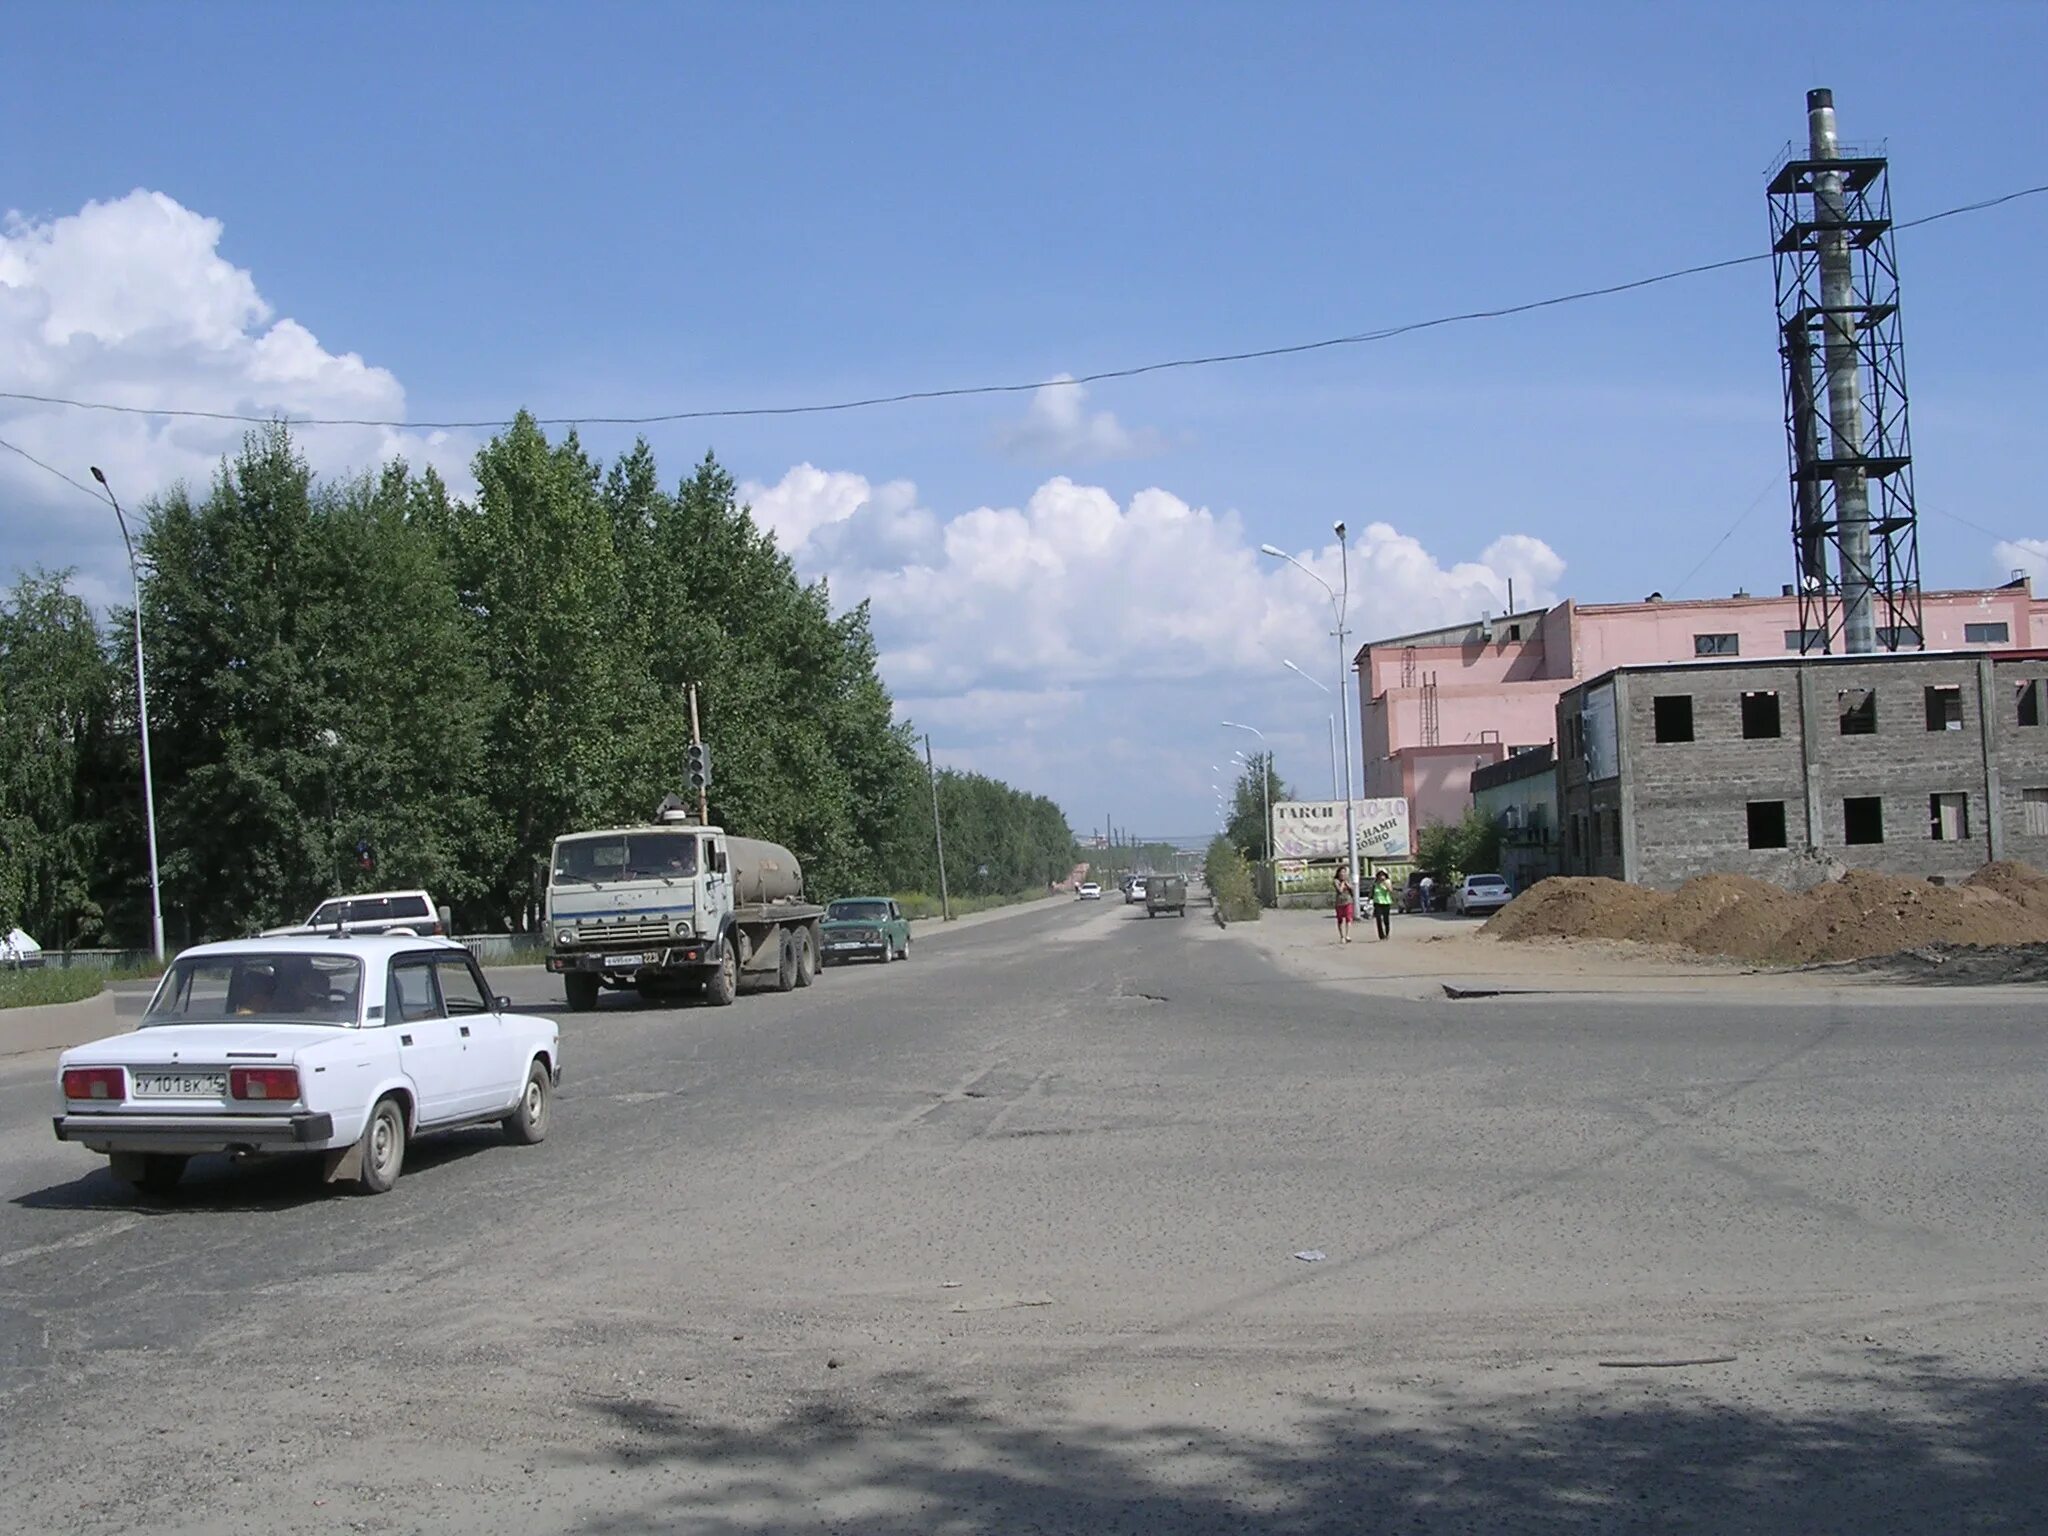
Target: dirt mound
(2015,882)
(1865,914)
(1861,916)
(1574,907)
(1721,915)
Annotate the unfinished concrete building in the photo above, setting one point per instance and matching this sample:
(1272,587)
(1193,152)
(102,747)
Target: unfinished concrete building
(1927,764)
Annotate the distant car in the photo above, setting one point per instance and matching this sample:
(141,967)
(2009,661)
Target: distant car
(1166,893)
(1088,890)
(1135,891)
(406,914)
(1415,899)
(865,927)
(345,1046)
(19,952)
(1480,893)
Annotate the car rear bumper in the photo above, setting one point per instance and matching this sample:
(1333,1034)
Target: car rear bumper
(195,1133)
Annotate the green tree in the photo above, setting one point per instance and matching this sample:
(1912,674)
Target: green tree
(56,711)
(313,685)
(1246,826)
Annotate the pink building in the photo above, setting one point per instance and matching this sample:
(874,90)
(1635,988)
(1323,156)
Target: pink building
(1436,705)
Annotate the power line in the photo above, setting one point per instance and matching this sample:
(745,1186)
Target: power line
(963,391)
(53,469)
(1740,518)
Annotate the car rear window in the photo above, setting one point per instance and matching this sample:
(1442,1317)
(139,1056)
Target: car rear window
(1495,882)
(276,986)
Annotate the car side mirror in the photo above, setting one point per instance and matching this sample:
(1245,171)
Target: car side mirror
(504,1004)
(447,916)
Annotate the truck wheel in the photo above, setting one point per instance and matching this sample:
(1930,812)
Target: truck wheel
(528,1122)
(581,988)
(382,1148)
(816,936)
(806,957)
(723,984)
(785,963)
(153,1173)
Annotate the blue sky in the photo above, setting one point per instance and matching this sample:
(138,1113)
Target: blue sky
(614,209)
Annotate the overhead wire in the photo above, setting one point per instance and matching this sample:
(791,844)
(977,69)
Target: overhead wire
(956,392)
(80,485)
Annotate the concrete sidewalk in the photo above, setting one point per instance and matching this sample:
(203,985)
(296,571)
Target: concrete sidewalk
(1436,957)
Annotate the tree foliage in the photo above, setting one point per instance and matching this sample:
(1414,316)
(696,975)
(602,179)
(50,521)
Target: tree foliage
(1229,877)
(1246,828)
(449,684)
(1471,846)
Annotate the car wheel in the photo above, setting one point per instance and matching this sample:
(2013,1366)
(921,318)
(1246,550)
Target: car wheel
(904,952)
(723,984)
(888,953)
(581,990)
(153,1173)
(806,958)
(382,1149)
(528,1123)
(785,963)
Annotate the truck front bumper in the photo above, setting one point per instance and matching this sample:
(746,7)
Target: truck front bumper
(619,962)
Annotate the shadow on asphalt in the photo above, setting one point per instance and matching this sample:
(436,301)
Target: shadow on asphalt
(1936,1451)
(220,1184)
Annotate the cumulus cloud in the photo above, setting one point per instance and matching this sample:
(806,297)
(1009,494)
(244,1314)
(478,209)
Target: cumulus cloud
(2028,555)
(131,302)
(1076,588)
(1058,428)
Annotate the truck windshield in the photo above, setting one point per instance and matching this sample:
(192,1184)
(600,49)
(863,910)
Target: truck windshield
(858,911)
(625,856)
(273,985)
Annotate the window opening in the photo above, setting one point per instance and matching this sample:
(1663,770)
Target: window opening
(1863,820)
(1760,716)
(1672,716)
(1948,818)
(1859,711)
(1767,824)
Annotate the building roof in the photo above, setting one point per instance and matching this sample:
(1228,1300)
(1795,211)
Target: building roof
(1531,764)
(1758,663)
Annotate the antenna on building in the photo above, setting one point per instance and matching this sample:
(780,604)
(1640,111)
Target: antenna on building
(1845,393)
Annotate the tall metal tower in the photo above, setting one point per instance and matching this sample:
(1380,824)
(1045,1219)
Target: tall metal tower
(1854,532)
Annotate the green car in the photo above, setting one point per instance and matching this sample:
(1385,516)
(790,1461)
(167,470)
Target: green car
(866,926)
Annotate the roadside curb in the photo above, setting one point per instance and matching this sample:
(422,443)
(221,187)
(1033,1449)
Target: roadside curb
(52,1026)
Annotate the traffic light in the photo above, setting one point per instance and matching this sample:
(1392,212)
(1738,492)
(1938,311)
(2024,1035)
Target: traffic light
(699,770)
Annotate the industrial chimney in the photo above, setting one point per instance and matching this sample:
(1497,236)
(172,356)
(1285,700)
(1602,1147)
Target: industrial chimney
(1838,306)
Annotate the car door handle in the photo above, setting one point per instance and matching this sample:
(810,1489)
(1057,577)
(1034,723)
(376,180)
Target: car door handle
(465,1031)
(405,1039)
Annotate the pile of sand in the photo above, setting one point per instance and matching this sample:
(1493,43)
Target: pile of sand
(2016,882)
(1858,917)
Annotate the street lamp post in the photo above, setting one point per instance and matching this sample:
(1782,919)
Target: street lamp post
(1339,605)
(1265,780)
(1329,720)
(156,894)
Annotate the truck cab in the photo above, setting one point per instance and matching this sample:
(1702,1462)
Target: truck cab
(674,905)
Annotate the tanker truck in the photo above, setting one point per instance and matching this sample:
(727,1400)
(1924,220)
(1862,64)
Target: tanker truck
(676,908)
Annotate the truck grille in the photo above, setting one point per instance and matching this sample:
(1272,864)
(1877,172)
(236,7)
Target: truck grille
(622,933)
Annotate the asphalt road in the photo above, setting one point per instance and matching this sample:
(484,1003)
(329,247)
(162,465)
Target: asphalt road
(1005,1239)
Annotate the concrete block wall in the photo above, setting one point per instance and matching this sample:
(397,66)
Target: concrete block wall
(1685,804)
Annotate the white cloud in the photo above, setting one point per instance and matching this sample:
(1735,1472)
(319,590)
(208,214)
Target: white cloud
(131,302)
(1075,588)
(1057,429)
(2028,555)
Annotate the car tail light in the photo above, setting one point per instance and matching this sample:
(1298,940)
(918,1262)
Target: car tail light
(95,1083)
(263,1082)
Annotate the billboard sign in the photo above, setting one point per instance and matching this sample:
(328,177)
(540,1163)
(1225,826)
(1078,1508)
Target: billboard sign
(1314,829)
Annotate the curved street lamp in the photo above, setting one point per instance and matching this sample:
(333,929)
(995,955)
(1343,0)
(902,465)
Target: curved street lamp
(1339,605)
(1329,720)
(1265,780)
(156,894)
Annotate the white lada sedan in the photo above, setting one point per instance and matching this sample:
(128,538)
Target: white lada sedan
(345,1047)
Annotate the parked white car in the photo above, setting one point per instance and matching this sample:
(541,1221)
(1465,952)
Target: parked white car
(1480,893)
(1088,890)
(408,914)
(345,1046)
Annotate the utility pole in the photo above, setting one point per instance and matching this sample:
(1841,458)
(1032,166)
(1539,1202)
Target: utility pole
(938,831)
(156,893)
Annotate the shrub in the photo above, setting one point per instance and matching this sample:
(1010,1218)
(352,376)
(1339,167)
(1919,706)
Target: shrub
(1230,882)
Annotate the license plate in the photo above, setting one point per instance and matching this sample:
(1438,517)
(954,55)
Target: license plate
(620,962)
(181,1085)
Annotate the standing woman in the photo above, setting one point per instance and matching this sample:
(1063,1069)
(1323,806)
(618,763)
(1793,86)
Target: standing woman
(1347,906)
(1382,903)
